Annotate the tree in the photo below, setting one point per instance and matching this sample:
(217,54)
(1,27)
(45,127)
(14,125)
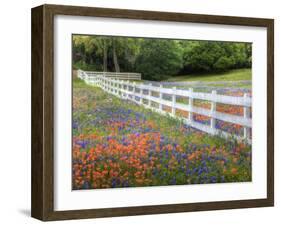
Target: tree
(115,57)
(104,54)
(159,59)
(207,56)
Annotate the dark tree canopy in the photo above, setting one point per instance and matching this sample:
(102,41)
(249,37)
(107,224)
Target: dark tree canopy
(207,56)
(158,59)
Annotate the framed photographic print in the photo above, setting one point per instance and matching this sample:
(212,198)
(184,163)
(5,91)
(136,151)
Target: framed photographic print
(141,112)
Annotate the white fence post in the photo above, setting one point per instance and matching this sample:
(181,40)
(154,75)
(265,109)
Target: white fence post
(174,99)
(127,90)
(213,110)
(116,87)
(246,130)
(160,98)
(86,78)
(149,94)
(190,114)
(134,91)
(104,83)
(141,95)
(111,85)
(122,88)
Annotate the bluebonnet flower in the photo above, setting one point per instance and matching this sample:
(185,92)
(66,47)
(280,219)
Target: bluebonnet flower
(173,181)
(213,179)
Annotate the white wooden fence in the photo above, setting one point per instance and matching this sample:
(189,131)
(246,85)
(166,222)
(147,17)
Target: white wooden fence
(135,92)
(115,75)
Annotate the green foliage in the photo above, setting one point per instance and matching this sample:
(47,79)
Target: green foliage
(223,63)
(89,53)
(84,66)
(207,56)
(159,58)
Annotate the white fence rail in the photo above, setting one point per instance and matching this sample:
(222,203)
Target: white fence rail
(115,75)
(135,92)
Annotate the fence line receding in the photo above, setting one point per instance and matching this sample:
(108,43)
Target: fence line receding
(120,86)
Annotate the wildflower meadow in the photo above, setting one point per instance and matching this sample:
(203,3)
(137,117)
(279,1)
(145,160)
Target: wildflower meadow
(117,143)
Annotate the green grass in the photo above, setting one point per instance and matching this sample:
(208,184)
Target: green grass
(79,83)
(233,75)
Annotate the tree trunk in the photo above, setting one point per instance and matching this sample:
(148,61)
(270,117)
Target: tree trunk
(104,56)
(115,58)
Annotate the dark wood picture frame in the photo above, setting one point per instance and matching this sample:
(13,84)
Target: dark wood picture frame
(42,203)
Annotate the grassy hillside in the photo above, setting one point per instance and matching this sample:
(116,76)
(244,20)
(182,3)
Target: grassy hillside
(233,75)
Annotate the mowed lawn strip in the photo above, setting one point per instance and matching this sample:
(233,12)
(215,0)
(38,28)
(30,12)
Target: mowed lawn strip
(232,75)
